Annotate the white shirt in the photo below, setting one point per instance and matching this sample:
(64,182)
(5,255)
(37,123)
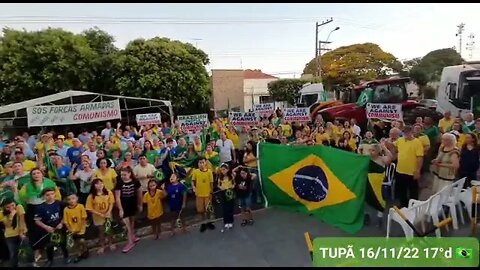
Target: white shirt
(357,130)
(141,172)
(226,148)
(106,133)
(92,156)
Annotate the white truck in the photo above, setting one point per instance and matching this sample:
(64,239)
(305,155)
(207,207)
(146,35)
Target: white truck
(459,89)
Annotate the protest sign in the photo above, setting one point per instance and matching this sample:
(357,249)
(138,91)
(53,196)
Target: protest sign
(264,108)
(55,115)
(384,111)
(148,119)
(297,115)
(194,122)
(243,118)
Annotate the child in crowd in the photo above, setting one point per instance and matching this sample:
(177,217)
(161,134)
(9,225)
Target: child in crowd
(75,219)
(225,184)
(13,218)
(243,190)
(128,197)
(177,200)
(100,203)
(202,183)
(153,198)
(48,217)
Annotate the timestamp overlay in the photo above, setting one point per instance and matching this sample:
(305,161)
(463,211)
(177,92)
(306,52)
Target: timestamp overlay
(380,251)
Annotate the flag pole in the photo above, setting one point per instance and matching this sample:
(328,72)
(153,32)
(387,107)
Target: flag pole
(259,177)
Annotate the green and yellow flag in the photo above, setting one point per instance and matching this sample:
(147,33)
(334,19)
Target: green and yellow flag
(325,182)
(374,197)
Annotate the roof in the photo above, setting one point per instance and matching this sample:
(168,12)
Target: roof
(312,88)
(382,81)
(64,95)
(256,74)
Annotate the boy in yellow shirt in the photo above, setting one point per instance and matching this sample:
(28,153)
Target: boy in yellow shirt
(75,220)
(202,183)
(153,198)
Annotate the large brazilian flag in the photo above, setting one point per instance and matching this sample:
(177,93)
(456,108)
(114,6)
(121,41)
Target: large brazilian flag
(328,183)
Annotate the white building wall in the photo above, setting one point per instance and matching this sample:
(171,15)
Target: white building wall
(253,89)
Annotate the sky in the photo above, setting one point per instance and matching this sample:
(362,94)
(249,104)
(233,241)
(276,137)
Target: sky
(279,39)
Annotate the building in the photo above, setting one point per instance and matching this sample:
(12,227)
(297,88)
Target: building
(239,89)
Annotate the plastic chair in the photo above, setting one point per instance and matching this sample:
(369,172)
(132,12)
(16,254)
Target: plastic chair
(465,197)
(418,211)
(454,200)
(390,177)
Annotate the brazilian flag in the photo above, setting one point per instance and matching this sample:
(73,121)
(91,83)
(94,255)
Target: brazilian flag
(328,183)
(374,197)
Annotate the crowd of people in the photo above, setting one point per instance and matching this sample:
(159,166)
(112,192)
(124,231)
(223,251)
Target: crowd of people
(55,186)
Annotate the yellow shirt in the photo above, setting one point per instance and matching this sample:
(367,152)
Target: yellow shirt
(203,181)
(424,140)
(408,151)
(154,204)
(75,219)
(99,204)
(461,141)
(226,183)
(234,138)
(320,138)
(109,179)
(197,147)
(208,156)
(68,142)
(445,124)
(20,228)
(28,165)
(287,130)
(253,162)
(353,144)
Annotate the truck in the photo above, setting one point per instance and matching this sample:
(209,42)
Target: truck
(315,98)
(459,89)
(393,90)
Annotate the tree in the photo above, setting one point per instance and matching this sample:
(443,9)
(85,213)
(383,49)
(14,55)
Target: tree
(429,68)
(351,64)
(164,69)
(103,65)
(286,89)
(34,64)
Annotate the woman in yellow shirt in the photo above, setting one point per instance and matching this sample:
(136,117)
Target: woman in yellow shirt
(13,217)
(106,173)
(225,184)
(250,156)
(153,199)
(321,137)
(100,203)
(213,159)
(351,142)
(198,145)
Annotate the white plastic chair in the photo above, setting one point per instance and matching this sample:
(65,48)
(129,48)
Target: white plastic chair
(390,177)
(418,211)
(454,200)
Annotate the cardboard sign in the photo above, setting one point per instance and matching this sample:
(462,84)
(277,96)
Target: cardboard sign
(148,119)
(384,111)
(194,122)
(243,118)
(297,115)
(72,114)
(264,108)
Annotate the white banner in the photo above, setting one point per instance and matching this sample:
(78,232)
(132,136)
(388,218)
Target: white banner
(56,115)
(264,108)
(194,122)
(243,118)
(148,119)
(384,111)
(297,115)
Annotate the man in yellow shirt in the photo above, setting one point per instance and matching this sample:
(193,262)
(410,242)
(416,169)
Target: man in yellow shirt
(409,164)
(446,123)
(202,183)
(28,165)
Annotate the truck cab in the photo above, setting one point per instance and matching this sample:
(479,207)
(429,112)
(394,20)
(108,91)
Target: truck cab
(459,89)
(311,94)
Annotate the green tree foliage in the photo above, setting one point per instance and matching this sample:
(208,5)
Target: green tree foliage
(39,63)
(286,89)
(350,64)
(34,64)
(164,69)
(429,68)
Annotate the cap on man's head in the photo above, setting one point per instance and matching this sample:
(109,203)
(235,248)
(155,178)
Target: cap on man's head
(18,151)
(61,137)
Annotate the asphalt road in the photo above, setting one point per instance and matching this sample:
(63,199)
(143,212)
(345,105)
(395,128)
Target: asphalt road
(276,239)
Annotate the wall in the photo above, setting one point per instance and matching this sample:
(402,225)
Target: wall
(227,85)
(255,88)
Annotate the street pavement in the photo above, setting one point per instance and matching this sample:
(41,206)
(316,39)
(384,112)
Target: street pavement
(276,239)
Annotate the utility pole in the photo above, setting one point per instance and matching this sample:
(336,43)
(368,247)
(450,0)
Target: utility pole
(317,44)
(471,45)
(319,58)
(460,27)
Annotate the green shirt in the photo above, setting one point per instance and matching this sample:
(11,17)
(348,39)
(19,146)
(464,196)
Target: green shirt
(151,155)
(432,134)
